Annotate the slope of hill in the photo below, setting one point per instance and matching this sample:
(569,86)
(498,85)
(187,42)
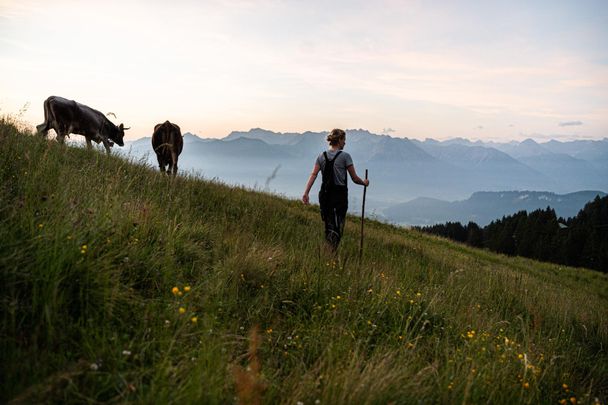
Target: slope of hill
(124,285)
(580,241)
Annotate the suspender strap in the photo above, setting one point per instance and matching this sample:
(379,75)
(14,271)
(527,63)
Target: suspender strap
(327,159)
(329,176)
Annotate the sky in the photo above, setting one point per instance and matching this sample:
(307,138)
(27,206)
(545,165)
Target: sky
(489,70)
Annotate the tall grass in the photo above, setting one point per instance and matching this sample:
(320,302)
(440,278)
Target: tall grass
(120,284)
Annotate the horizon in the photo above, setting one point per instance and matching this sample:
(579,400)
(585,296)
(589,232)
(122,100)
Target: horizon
(495,72)
(347,130)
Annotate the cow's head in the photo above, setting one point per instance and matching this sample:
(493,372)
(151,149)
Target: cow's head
(119,135)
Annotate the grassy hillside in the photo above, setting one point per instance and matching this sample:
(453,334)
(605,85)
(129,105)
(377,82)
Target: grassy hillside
(123,285)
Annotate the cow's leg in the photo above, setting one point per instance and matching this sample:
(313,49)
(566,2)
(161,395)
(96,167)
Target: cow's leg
(107,145)
(61,137)
(89,144)
(43,129)
(161,163)
(174,162)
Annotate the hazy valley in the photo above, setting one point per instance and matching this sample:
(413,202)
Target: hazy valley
(435,179)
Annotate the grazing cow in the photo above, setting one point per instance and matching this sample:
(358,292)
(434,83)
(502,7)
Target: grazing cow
(69,117)
(167,142)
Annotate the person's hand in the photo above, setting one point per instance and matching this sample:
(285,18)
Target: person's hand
(305,199)
(366,182)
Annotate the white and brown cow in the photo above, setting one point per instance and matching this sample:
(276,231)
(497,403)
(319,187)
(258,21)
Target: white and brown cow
(69,117)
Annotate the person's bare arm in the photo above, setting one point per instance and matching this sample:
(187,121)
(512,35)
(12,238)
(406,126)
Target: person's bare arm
(311,180)
(356,179)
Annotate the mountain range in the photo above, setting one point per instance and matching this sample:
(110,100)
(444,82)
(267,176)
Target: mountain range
(483,207)
(400,169)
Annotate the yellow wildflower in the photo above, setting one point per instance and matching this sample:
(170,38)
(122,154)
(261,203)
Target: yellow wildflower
(187,288)
(269,331)
(526,385)
(194,319)
(175,290)
(182,310)
(573,400)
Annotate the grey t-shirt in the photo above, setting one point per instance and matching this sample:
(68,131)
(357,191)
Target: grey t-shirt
(342,162)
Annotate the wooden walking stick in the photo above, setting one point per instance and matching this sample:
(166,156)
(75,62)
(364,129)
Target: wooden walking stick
(362,217)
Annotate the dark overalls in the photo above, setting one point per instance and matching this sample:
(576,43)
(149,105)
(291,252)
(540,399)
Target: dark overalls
(333,201)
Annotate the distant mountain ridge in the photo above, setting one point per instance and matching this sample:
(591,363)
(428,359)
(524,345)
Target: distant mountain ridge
(400,169)
(484,207)
(269,137)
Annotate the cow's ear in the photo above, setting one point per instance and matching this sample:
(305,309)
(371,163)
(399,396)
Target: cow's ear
(121,127)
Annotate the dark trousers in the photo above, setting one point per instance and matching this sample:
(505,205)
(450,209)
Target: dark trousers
(334,205)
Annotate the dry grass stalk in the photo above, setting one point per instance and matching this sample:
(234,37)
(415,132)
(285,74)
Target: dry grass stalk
(249,385)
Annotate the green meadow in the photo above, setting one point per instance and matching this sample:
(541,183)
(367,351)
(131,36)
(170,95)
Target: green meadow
(120,284)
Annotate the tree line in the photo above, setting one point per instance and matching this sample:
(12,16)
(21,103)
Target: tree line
(580,241)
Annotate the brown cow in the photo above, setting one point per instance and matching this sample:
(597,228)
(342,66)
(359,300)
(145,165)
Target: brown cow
(69,117)
(168,143)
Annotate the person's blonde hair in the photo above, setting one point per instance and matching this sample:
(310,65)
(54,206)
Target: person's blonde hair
(335,135)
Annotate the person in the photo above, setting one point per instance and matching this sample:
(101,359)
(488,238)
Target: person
(333,196)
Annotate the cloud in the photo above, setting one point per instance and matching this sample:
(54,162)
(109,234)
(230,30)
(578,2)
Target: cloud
(387,130)
(570,123)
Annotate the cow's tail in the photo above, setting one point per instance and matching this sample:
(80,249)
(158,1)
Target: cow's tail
(43,128)
(163,146)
